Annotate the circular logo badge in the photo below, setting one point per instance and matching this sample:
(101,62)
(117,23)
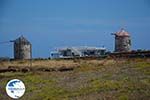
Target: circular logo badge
(15,88)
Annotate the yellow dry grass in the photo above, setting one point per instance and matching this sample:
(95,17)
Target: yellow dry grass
(39,63)
(67,63)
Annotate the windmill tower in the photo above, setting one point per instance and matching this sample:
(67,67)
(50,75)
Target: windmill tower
(22,48)
(122,41)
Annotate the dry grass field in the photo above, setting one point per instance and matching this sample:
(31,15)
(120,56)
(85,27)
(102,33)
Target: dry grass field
(38,63)
(106,79)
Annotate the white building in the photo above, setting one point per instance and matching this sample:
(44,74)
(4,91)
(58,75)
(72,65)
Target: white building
(70,52)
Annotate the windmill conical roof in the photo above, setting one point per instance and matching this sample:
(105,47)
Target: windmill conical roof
(22,39)
(122,32)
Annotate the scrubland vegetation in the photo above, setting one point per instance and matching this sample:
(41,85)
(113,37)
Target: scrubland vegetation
(106,79)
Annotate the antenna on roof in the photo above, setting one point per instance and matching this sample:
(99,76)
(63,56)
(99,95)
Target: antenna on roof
(122,28)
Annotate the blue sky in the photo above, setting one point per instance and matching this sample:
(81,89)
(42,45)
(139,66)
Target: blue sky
(49,24)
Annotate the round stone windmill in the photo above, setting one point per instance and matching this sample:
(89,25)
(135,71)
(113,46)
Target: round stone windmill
(22,48)
(122,41)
